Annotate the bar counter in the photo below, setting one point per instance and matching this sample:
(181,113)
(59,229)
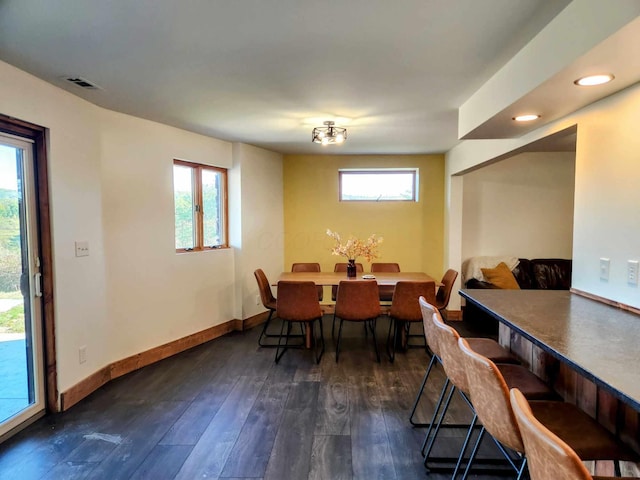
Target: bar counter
(600,342)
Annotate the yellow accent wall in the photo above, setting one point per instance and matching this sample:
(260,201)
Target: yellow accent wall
(413,232)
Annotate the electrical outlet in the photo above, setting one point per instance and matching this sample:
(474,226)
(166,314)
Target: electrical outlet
(604,269)
(82,249)
(632,272)
(82,354)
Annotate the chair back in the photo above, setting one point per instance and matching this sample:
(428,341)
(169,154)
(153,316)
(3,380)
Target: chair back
(385,292)
(266,296)
(444,292)
(405,305)
(450,353)
(342,267)
(308,267)
(547,455)
(358,300)
(490,397)
(428,313)
(298,301)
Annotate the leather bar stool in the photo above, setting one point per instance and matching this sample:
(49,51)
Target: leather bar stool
(490,398)
(547,454)
(489,348)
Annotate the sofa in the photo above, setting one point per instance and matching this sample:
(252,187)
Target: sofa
(538,273)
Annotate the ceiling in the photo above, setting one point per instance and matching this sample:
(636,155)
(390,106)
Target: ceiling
(265,72)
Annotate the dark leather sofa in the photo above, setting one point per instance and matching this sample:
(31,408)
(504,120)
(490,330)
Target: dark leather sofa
(538,274)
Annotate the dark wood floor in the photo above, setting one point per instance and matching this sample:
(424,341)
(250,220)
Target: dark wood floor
(225,410)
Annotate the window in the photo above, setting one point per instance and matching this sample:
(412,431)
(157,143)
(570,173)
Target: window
(200,197)
(379,184)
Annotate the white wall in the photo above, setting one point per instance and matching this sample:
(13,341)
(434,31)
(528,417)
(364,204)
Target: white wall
(261,211)
(111,185)
(520,206)
(606,219)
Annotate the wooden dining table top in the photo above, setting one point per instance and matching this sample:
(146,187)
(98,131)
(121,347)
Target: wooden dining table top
(334,278)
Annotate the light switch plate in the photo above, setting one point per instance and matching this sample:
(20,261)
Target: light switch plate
(632,272)
(604,268)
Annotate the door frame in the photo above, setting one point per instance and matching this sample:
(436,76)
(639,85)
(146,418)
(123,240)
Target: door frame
(38,134)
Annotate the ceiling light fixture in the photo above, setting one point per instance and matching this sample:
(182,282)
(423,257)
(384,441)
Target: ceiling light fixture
(593,80)
(329,134)
(526,118)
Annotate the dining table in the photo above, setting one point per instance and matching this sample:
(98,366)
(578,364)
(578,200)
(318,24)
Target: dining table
(334,278)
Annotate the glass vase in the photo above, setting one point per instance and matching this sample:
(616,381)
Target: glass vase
(351,268)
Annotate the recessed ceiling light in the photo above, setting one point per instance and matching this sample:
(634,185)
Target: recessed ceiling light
(592,80)
(526,118)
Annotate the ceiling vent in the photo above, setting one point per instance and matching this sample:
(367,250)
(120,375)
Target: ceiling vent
(81,82)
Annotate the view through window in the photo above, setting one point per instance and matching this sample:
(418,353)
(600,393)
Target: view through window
(377,185)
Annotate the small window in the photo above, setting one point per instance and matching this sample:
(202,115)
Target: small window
(376,185)
(200,199)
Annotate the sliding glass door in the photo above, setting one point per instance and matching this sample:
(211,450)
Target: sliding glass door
(21,357)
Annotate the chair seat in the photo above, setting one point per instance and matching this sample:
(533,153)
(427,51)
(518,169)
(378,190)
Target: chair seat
(491,349)
(517,376)
(582,433)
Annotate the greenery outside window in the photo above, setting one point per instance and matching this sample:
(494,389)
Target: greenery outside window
(379,184)
(200,199)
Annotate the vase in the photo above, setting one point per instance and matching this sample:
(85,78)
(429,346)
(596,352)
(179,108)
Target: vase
(351,268)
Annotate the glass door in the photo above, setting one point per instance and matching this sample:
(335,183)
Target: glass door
(21,357)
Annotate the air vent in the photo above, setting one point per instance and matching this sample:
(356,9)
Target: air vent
(81,82)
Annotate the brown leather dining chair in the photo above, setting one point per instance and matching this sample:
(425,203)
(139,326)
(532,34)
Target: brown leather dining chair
(444,291)
(405,311)
(342,267)
(385,291)
(491,400)
(547,454)
(268,301)
(358,302)
(298,302)
(308,267)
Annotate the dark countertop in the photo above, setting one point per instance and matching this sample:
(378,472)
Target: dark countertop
(599,341)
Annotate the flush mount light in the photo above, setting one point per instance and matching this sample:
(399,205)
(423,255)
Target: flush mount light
(593,80)
(526,118)
(329,134)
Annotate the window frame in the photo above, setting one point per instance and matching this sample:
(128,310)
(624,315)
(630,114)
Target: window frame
(382,171)
(198,211)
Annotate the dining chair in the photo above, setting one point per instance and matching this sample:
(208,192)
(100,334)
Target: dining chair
(268,301)
(490,397)
(385,291)
(405,311)
(548,456)
(444,291)
(342,267)
(487,346)
(308,267)
(358,302)
(298,302)
(455,369)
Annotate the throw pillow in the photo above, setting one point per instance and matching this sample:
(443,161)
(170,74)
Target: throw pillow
(501,277)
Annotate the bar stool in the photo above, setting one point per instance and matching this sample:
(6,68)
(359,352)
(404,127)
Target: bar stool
(297,302)
(405,310)
(358,302)
(491,401)
(547,454)
(454,366)
(489,348)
